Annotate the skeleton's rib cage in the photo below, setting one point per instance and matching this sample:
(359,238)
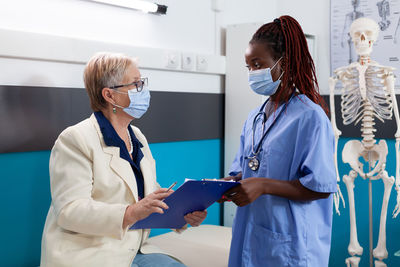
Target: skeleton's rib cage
(353,104)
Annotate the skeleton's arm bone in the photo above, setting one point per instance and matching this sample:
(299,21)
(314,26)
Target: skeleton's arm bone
(390,87)
(332,83)
(336,131)
(389,83)
(338,195)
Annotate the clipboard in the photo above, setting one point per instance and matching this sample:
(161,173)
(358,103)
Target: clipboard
(192,195)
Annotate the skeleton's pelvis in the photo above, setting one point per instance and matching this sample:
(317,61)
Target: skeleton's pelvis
(354,150)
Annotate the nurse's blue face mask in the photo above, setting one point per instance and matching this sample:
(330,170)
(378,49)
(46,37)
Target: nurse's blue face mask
(261,81)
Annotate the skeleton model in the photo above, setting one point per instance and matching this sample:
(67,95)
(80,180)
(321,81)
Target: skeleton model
(368,93)
(384,12)
(350,17)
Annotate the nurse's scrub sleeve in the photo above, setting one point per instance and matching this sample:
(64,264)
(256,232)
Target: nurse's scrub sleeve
(316,146)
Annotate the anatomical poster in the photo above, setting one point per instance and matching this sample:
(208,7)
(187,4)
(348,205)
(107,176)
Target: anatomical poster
(386,50)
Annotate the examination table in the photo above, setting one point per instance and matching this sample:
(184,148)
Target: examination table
(206,245)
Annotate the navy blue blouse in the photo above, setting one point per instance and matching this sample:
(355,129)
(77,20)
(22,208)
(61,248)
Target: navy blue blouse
(111,138)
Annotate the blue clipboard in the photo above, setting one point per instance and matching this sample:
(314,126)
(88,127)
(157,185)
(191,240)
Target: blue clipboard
(193,195)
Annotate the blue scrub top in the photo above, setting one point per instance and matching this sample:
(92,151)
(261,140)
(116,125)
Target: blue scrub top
(275,231)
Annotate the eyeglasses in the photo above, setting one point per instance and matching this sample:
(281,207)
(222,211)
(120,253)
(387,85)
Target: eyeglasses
(139,84)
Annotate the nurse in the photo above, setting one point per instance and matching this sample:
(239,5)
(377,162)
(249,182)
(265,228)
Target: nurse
(285,162)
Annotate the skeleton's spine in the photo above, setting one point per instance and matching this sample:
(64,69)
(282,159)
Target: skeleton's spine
(367,126)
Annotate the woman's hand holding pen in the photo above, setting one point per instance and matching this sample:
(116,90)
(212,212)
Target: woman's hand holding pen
(146,206)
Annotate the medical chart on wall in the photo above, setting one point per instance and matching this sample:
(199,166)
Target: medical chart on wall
(386,50)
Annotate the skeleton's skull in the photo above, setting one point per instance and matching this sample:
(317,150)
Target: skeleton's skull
(364,32)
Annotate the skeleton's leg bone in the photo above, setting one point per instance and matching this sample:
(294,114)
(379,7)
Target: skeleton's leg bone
(352,261)
(380,252)
(380,264)
(354,247)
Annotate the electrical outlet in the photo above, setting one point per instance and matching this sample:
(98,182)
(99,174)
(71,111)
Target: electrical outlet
(202,63)
(188,61)
(172,60)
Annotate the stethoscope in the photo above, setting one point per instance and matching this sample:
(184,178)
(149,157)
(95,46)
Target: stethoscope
(254,162)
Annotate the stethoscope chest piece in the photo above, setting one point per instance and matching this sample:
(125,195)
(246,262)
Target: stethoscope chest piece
(254,163)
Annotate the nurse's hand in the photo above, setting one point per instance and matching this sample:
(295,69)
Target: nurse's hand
(152,203)
(236,178)
(195,218)
(249,190)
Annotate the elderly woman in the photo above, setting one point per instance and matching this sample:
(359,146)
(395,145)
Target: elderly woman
(103,177)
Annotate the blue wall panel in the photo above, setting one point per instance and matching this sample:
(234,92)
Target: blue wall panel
(24,200)
(25,192)
(341,224)
(176,161)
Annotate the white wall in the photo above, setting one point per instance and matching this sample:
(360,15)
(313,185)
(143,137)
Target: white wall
(38,59)
(314,17)
(180,29)
(243,12)
(187,27)
(249,11)
(190,25)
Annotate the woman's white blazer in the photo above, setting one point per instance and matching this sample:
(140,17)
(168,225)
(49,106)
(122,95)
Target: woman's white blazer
(91,187)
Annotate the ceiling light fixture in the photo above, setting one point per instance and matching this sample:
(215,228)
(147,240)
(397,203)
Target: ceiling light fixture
(141,5)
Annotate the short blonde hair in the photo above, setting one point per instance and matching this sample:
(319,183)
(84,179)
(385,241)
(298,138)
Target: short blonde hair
(104,70)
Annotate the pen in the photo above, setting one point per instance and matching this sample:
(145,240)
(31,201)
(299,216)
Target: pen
(172,185)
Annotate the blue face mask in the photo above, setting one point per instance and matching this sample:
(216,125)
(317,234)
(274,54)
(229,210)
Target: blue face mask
(140,102)
(262,83)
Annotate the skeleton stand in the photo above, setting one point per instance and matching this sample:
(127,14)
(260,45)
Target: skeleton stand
(371,226)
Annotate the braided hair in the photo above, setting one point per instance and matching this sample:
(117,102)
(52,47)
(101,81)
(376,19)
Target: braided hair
(284,38)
